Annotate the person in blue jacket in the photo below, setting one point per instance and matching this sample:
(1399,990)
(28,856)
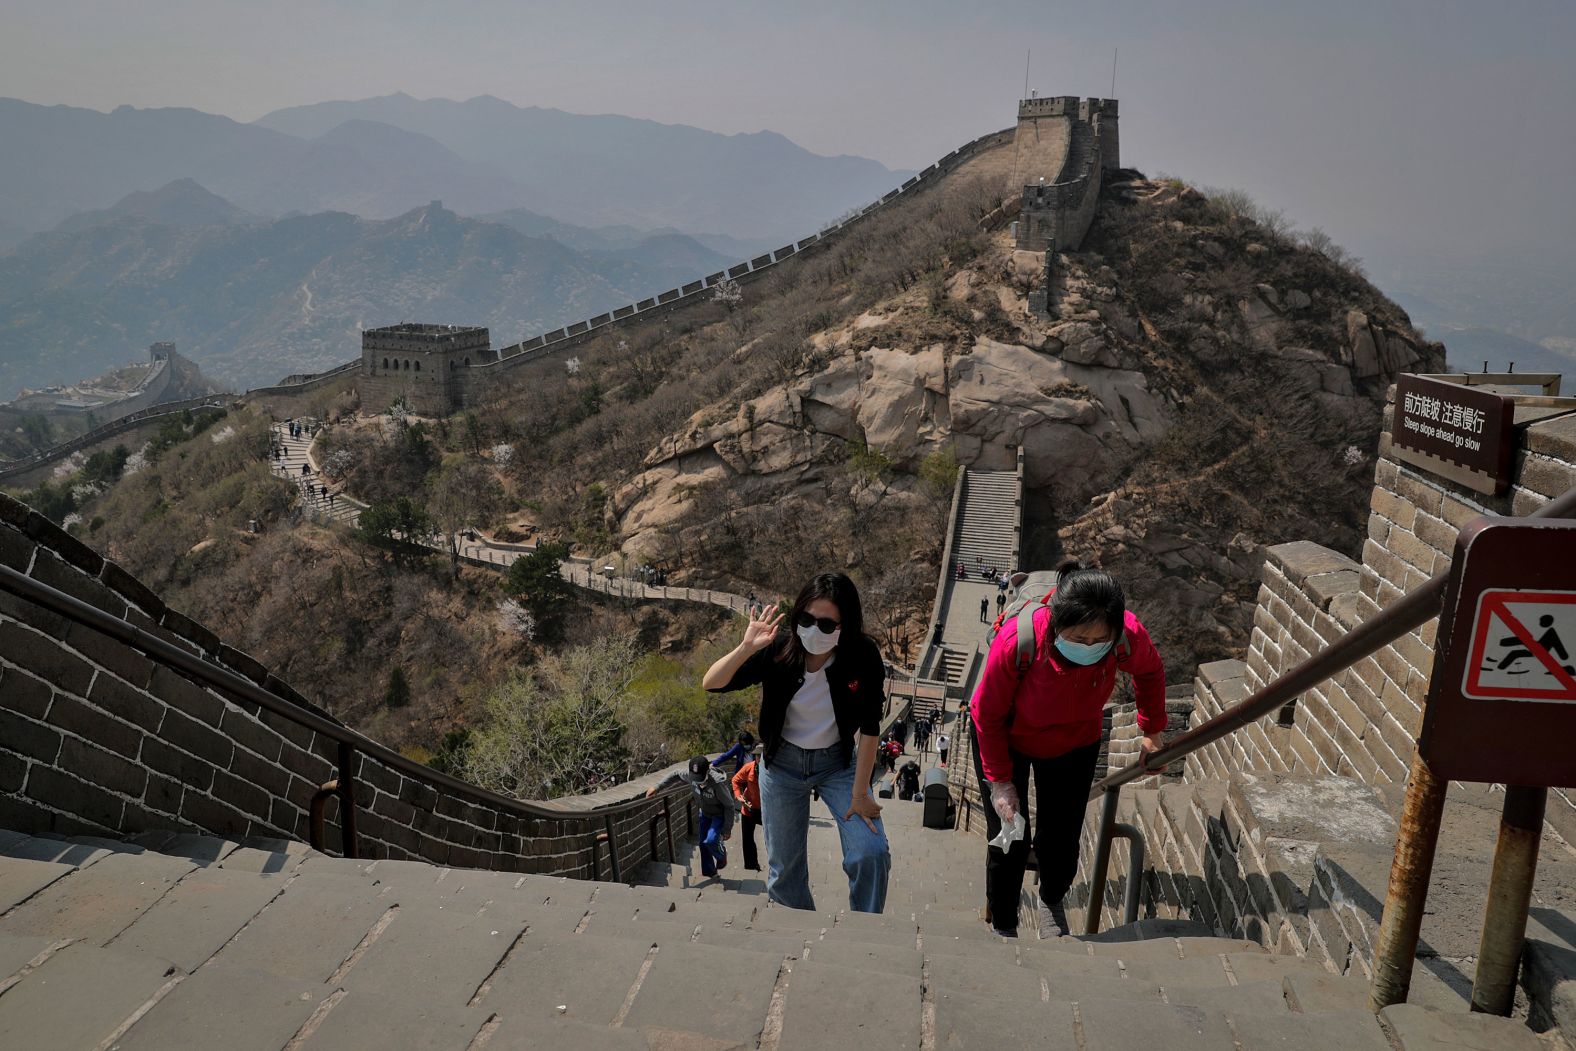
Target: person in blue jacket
(742,752)
(715,806)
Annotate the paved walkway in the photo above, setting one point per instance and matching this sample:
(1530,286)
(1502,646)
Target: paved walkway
(200,943)
(985,536)
(339,506)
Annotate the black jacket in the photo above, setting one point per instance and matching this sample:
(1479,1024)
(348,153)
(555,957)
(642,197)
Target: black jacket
(855,678)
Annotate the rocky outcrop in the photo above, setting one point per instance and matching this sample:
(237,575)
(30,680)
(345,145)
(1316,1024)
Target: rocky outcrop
(1194,391)
(1079,419)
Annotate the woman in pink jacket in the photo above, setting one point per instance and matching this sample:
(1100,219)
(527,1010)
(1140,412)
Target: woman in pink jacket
(1047,719)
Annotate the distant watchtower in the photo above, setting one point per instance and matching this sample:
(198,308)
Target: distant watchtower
(1063,145)
(425,365)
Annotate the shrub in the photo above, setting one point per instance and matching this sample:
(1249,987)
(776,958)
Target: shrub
(398,693)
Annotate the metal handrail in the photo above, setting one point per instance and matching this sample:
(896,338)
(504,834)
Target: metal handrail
(352,744)
(1411,611)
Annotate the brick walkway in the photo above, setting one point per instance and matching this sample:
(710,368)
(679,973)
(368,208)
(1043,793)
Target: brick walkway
(197,942)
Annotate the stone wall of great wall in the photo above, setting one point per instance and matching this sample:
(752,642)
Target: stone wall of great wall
(19,472)
(1059,211)
(1283,832)
(1068,140)
(96,738)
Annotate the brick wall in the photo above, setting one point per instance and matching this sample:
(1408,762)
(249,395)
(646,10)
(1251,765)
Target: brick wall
(97,739)
(1363,723)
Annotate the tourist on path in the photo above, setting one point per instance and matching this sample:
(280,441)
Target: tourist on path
(747,790)
(821,688)
(941,747)
(984,609)
(714,803)
(891,748)
(1047,719)
(740,753)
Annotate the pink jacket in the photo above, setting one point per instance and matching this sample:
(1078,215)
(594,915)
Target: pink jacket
(1059,704)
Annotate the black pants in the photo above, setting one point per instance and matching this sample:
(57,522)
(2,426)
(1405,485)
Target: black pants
(1061,791)
(750,821)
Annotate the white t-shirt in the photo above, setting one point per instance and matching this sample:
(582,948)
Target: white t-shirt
(812,722)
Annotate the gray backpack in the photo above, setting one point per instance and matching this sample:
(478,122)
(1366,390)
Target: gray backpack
(1030,592)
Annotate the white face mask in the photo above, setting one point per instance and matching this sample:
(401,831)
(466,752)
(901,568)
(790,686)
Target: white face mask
(817,642)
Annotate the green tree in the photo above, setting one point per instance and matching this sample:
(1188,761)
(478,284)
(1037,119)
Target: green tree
(398,526)
(871,465)
(556,730)
(474,435)
(938,477)
(462,496)
(535,580)
(398,693)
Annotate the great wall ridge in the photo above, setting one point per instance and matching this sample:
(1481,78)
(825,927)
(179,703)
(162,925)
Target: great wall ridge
(1074,138)
(1276,838)
(159,731)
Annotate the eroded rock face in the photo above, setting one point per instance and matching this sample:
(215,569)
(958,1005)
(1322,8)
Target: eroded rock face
(1374,349)
(1162,407)
(1079,423)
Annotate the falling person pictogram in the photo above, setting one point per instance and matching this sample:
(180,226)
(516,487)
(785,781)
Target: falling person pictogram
(1549,640)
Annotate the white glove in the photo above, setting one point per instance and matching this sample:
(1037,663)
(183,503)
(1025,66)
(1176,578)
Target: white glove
(1004,800)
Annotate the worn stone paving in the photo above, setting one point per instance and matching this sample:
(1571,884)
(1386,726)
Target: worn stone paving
(193,942)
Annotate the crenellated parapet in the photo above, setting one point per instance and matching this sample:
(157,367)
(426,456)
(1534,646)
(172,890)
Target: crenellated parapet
(1063,144)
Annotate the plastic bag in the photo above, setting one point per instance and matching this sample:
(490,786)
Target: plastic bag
(1009,834)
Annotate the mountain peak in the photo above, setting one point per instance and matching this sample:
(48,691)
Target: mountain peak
(180,202)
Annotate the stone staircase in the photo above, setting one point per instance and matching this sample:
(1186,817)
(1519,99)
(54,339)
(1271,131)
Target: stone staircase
(987,521)
(186,941)
(336,506)
(1300,864)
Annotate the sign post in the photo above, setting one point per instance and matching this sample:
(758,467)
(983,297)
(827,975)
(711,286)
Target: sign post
(1501,709)
(1457,432)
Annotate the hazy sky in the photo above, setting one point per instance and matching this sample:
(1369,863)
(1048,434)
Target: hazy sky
(1404,127)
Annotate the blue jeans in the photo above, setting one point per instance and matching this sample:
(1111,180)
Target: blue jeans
(785,815)
(713,854)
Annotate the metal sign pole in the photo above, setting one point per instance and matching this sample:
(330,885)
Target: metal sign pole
(1409,874)
(1509,894)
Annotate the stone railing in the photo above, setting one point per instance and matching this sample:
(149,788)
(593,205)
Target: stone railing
(102,735)
(109,430)
(302,382)
(571,335)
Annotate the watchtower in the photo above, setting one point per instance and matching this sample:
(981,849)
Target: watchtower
(1062,146)
(425,365)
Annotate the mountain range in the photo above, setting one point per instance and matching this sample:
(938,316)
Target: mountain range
(378,158)
(253,300)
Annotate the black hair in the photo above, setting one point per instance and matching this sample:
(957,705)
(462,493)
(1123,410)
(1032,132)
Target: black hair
(747,739)
(841,592)
(1084,595)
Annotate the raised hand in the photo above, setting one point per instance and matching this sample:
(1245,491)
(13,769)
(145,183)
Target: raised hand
(759,632)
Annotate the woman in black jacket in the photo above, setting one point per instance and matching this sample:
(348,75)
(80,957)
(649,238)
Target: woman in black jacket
(821,688)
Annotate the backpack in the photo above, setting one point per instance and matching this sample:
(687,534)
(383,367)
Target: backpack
(1034,590)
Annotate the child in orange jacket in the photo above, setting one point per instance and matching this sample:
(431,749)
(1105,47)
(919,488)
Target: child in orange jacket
(747,790)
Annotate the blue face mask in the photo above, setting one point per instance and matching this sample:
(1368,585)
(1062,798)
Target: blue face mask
(1082,652)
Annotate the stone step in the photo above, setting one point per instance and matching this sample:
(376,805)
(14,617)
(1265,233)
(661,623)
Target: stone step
(198,916)
(80,997)
(820,1013)
(363,1018)
(308,931)
(98,902)
(260,1012)
(738,989)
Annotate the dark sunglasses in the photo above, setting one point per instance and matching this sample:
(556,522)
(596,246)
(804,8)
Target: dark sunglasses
(826,624)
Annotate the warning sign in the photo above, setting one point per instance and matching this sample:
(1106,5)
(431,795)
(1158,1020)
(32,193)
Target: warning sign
(1521,647)
(1501,701)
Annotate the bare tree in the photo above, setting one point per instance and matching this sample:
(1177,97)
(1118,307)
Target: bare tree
(462,496)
